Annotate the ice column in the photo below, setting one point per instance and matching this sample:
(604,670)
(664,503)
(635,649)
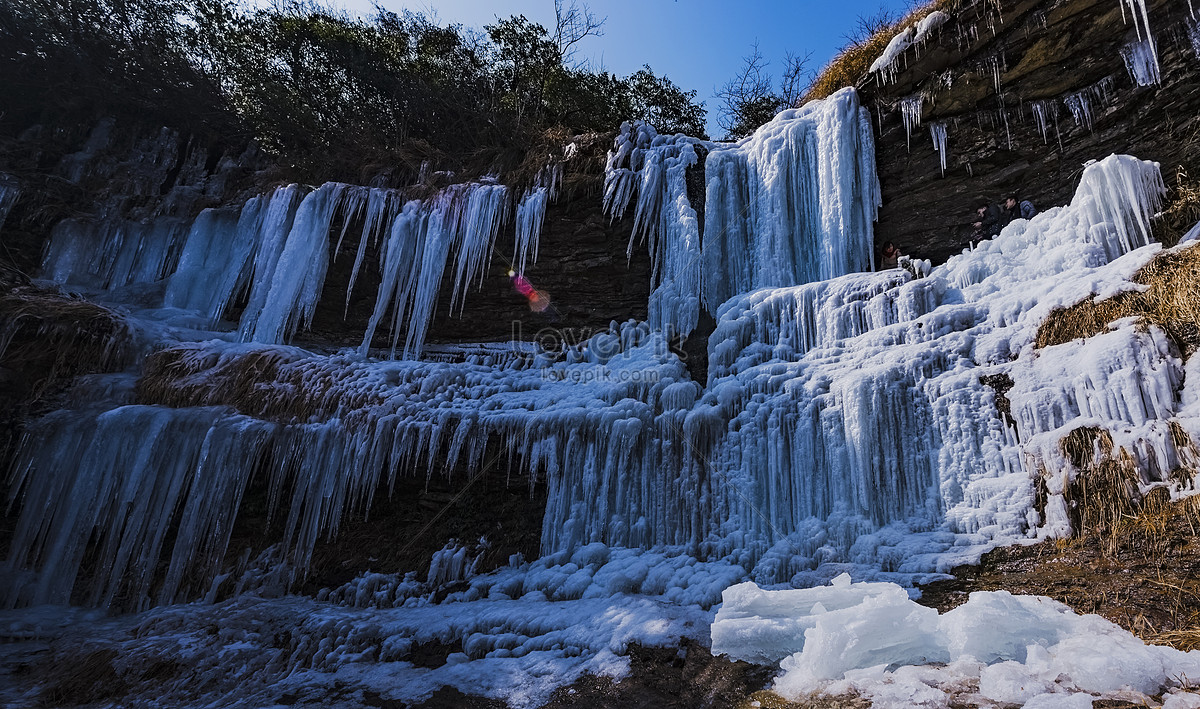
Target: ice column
(287,288)
(794,203)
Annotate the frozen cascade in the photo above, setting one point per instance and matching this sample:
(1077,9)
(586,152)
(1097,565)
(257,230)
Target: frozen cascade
(845,423)
(937,131)
(793,203)
(80,474)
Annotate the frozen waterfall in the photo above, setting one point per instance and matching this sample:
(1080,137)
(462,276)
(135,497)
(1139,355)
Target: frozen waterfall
(847,422)
(794,203)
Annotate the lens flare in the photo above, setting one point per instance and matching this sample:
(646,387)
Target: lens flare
(538,300)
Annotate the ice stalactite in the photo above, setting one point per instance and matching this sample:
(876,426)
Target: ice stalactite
(910,112)
(531,213)
(113,254)
(1141,57)
(464,219)
(1193,33)
(292,285)
(1082,104)
(381,206)
(1141,62)
(937,131)
(216,260)
(1045,113)
(625,161)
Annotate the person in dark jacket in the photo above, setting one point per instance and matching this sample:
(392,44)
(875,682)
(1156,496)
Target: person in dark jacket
(989,221)
(1015,208)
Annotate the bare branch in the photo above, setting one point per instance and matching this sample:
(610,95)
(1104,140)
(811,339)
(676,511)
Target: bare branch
(573,22)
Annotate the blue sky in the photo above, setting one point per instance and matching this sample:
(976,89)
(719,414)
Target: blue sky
(699,44)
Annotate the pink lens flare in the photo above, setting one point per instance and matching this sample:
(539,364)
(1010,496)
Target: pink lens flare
(538,300)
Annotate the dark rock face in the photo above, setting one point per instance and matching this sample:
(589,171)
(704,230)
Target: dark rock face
(1040,51)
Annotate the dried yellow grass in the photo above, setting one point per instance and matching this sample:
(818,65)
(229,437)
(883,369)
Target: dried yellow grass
(1171,301)
(1181,210)
(852,62)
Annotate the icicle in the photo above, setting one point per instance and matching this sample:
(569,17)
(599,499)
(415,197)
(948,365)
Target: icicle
(1044,112)
(286,292)
(1141,61)
(531,213)
(910,111)
(937,131)
(381,208)
(1141,57)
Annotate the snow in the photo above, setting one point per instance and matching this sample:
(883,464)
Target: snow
(252,651)
(928,25)
(885,64)
(872,639)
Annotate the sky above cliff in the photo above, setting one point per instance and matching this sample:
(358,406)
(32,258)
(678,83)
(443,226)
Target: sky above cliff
(699,44)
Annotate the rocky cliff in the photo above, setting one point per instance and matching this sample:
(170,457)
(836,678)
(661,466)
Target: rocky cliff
(1027,92)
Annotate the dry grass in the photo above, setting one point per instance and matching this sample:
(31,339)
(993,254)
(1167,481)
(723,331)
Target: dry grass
(1172,302)
(1181,210)
(853,61)
(47,338)
(265,384)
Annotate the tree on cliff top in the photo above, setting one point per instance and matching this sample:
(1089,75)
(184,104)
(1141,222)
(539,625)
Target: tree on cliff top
(326,92)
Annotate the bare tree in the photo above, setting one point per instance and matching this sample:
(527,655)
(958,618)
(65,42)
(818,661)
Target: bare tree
(573,22)
(866,25)
(796,79)
(749,100)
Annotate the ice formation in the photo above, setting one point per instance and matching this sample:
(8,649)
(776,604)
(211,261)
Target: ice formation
(886,64)
(274,252)
(928,25)
(910,112)
(845,424)
(869,638)
(1141,57)
(1141,61)
(1045,113)
(531,213)
(937,131)
(1081,104)
(793,203)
